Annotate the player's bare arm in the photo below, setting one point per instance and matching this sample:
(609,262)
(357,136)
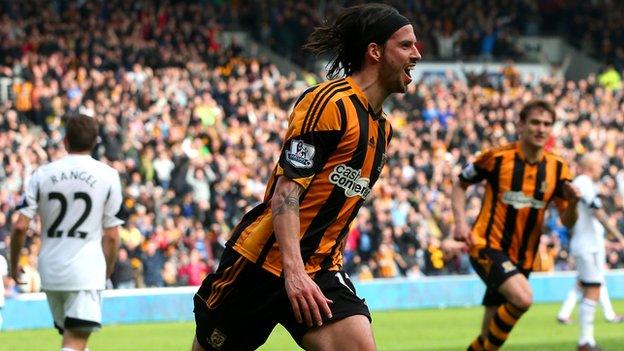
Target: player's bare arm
(602,217)
(307,300)
(18,237)
(110,246)
(572,195)
(458,201)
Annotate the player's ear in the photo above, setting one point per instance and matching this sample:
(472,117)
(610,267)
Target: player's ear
(66,143)
(375,51)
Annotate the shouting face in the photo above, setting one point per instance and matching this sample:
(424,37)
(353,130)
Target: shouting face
(398,58)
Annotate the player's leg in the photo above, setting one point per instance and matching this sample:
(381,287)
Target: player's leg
(508,294)
(567,307)
(348,329)
(75,340)
(196,346)
(56,300)
(607,308)
(235,309)
(351,333)
(591,278)
(587,310)
(517,292)
(488,313)
(83,315)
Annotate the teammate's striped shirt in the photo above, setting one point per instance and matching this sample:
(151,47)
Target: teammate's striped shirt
(517,194)
(335,148)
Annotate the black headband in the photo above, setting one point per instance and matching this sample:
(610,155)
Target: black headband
(382,30)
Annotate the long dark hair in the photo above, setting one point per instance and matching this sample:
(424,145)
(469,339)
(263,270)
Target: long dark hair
(346,40)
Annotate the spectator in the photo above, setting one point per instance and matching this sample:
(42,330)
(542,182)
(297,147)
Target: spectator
(547,252)
(153,262)
(194,272)
(123,274)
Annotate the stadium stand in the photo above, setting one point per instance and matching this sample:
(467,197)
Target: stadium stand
(193,125)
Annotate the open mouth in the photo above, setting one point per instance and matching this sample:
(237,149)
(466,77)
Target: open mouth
(408,70)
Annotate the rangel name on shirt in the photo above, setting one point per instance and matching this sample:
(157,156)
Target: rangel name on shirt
(73,175)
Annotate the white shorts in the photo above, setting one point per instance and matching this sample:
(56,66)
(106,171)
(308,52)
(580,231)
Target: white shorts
(590,268)
(76,310)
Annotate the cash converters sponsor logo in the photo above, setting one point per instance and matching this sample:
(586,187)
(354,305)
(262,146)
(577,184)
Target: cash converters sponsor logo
(519,200)
(349,179)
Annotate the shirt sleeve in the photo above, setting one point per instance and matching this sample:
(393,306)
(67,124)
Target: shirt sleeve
(310,140)
(564,176)
(479,169)
(29,204)
(589,196)
(114,211)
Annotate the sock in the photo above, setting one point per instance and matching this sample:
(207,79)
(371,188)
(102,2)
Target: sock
(568,305)
(504,319)
(476,344)
(607,308)
(67,349)
(586,319)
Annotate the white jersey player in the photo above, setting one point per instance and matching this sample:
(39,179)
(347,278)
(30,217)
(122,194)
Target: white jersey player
(79,202)
(587,246)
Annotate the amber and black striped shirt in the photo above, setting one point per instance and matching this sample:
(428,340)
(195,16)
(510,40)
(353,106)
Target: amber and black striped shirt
(335,148)
(517,194)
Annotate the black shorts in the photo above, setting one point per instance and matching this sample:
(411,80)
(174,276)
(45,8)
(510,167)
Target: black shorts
(494,268)
(237,307)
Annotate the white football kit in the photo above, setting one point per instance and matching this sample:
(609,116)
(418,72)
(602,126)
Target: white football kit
(587,245)
(76,197)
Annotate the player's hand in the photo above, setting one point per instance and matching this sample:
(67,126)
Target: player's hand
(306,298)
(16,274)
(461,232)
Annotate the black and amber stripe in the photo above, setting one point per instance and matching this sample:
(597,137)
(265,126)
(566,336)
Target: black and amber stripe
(335,119)
(493,200)
(517,182)
(328,213)
(320,99)
(380,149)
(500,326)
(538,194)
(476,344)
(271,243)
(221,285)
(516,197)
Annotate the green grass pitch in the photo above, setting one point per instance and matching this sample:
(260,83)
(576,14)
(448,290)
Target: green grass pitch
(413,330)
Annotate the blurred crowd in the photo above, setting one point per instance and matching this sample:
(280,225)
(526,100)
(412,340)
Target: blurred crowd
(194,127)
(455,29)
(447,30)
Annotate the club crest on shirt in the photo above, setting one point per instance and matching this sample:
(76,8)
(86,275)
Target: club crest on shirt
(300,155)
(544,187)
(217,339)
